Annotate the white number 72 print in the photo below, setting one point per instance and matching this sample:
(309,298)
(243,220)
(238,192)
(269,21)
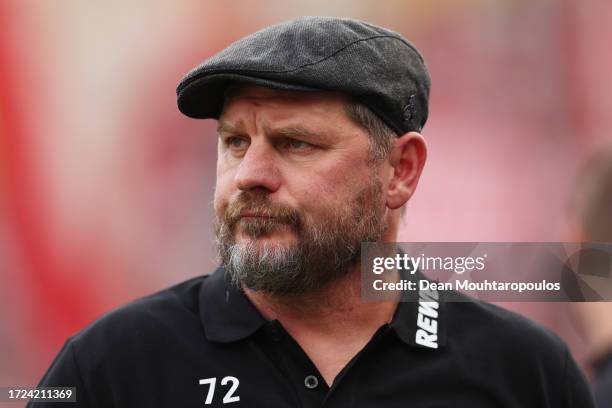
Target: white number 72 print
(229,395)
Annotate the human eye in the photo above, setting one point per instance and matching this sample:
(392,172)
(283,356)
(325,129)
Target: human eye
(296,145)
(236,143)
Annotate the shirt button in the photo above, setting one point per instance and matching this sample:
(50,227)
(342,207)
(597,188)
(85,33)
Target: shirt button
(311,382)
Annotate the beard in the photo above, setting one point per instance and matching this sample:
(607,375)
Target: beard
(324,251)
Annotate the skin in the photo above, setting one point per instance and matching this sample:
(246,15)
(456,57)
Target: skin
(305,152)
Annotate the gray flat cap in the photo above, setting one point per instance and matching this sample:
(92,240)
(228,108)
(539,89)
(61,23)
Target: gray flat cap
(375,66)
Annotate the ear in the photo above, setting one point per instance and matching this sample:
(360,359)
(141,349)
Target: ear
(407,159)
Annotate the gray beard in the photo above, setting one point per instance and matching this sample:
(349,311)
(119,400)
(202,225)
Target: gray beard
(325,251)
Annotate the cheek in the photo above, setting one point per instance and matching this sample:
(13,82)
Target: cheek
(219,203)
(319,193)
(334,183)
(334,191)
(222,193)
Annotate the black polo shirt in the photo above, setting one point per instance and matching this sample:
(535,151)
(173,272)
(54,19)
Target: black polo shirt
(202,343)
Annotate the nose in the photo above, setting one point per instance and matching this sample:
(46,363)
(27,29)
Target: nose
(257,169)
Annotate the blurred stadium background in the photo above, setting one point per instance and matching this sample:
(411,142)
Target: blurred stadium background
(105,189)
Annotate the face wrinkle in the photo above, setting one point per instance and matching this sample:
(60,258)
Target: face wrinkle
(324,251)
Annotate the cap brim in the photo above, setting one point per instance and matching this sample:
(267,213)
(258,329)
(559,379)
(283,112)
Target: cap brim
(203,97)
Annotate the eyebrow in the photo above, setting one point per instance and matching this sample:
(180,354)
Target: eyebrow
(224,128)
(227,128)
(296,131)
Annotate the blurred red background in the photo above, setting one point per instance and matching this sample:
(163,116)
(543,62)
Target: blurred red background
(105,189)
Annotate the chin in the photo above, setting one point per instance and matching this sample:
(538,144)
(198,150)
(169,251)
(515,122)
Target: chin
(269,241)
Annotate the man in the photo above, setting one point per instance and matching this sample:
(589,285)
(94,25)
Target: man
(319,149)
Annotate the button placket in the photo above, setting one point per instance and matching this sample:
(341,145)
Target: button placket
(311,382)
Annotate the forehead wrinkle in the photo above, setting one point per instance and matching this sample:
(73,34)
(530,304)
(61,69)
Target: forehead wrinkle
(291,131)
(316,110)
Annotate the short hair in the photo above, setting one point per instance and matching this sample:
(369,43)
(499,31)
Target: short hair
(380,134)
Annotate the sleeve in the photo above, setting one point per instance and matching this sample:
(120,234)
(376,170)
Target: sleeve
(576,389)
(64,372)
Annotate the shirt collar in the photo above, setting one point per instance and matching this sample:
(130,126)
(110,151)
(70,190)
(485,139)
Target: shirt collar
(225,311)
(415,330)
(228,315)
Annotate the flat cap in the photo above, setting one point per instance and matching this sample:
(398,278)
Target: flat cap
(375,66)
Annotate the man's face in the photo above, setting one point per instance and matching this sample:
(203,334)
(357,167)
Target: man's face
(296,194)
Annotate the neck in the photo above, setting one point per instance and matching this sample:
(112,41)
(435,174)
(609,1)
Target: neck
(337,305)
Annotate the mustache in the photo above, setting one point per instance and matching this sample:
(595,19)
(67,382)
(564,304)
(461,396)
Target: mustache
(258,202)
